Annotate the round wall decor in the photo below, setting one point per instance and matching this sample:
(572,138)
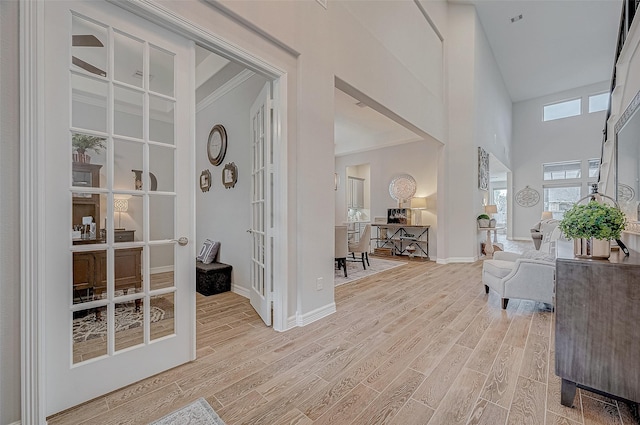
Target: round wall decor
(527,197)
(402,188)
(217,144)
(625,192)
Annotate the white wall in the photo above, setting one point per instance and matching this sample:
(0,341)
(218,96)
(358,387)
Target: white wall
(536,142)
(9,216)
(224,214)
(479,115)
(418,159)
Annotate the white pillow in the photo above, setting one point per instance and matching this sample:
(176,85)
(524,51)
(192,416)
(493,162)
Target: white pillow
(208,252)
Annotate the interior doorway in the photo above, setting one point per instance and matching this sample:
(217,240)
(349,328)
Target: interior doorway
(499,195)
(232,212)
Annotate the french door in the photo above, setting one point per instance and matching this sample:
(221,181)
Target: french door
(119,99)
(262,219)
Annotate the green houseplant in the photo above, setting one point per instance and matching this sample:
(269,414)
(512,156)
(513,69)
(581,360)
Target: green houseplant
(592,226)
(483,220)
(83,142)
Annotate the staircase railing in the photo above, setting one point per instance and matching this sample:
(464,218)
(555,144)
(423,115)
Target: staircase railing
(629,9)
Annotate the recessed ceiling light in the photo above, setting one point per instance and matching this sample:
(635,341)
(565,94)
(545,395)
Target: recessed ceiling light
(361,104)
(516,18)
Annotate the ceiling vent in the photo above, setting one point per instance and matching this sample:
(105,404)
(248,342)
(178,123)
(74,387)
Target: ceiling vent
(516,18)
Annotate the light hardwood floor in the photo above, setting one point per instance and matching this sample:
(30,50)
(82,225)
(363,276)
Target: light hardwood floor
(418,344)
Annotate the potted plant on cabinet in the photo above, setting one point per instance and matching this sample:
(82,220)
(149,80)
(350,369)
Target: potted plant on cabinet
(83,142)
(484,220)
(592,226)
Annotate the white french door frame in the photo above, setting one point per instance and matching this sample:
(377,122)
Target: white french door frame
(32,195)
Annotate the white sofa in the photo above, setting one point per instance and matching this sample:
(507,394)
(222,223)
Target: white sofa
(529,276)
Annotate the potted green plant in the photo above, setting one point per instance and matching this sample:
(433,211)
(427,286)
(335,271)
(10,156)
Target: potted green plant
(484,220)
(592,226)
(82,143)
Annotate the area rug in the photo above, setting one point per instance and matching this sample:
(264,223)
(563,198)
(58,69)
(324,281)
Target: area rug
(355,270)
(126,317)
(197,413)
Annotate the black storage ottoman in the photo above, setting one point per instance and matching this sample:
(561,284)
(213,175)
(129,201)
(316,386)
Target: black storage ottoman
(213,278)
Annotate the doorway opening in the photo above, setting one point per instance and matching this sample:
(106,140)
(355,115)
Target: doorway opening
(499,195)
(230,207)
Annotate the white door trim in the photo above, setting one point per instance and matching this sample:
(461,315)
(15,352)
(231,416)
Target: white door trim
(32,196)
(32,174)
(158,14)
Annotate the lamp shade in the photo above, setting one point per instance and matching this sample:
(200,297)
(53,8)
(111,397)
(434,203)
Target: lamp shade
(418,203)
(120,205)
(546,215)
(490,209)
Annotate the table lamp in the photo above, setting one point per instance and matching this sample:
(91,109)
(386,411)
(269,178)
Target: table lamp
(490,209)
(120,206)
(546,215)
(418,204)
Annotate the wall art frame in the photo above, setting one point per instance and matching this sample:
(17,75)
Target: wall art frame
(483,169)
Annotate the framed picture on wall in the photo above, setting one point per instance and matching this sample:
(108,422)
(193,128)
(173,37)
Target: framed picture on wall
(483,169)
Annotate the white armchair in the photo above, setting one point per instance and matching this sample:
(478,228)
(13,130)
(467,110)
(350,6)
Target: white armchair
(529,276)
(516,276)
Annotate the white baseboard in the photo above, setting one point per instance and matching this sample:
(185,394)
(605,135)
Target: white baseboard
(522,239)
(162,269)
(240,290)
(312,316)
(456,260)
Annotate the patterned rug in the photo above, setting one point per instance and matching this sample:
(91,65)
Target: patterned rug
(126,317)
(355,270)
(197,413)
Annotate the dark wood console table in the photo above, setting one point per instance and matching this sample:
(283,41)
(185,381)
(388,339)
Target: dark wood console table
(598,326)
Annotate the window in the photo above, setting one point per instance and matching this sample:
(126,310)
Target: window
(594,167)
(559,199)
(598,102)
(561,171)
(500,201)
(555,111)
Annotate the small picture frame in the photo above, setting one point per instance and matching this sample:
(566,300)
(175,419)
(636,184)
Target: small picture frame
(205,180)
(229,175)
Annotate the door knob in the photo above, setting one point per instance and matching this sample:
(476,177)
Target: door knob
(182,241)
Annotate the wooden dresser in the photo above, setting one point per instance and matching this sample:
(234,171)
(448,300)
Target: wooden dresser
(90,269)
(598,326)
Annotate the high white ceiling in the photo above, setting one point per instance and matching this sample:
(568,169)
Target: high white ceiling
(557,45)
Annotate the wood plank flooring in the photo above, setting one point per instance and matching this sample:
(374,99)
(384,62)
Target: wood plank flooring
(418,344)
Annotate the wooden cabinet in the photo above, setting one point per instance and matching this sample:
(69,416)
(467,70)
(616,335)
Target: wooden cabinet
(598,326)
(90,272)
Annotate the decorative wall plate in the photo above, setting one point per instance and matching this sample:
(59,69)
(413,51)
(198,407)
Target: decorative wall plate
(402,188)
(625,193)
(217,144)
(527,197)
